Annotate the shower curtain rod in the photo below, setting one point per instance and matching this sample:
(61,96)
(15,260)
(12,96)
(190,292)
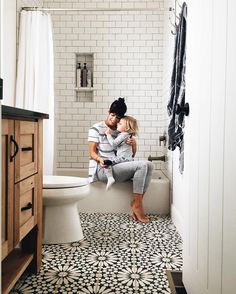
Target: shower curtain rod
(86,9)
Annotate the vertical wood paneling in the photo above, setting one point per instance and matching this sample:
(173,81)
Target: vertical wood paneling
(204,147)
(191,143)
(204,93)
(217,147)
(229,201)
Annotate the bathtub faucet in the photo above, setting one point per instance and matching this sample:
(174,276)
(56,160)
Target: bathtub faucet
(158,158)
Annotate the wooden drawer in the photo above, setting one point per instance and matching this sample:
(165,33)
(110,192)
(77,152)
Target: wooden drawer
(26,136)
(25,207)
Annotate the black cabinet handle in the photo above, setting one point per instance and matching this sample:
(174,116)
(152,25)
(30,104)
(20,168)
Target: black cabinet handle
(15,146)
(28,206)
(26,149)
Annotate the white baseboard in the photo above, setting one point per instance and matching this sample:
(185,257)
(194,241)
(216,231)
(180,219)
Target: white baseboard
(177,220)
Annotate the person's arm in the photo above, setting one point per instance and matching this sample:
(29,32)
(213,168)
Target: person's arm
(93,153)
(117,141)
(134,147)
(132,142)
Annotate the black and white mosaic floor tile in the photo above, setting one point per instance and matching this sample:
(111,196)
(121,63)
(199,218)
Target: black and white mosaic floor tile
(118,255)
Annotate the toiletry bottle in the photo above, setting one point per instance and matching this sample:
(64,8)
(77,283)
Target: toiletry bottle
(78,73)
(89,78)
(84,72)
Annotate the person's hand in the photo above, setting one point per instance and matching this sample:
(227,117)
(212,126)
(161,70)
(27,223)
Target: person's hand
(131,141)
(108,131)
(101,162)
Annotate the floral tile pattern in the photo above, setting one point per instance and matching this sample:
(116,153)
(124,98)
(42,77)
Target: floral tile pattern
(118,255)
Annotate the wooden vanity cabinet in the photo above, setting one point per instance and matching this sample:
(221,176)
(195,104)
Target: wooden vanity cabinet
(7,188)
(21,197)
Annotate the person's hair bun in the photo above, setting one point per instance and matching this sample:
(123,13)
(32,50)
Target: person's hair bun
(121,100)
(118,107)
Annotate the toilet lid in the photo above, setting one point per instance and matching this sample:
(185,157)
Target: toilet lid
(63,182)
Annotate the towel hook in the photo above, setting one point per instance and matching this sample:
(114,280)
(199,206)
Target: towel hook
(174,25)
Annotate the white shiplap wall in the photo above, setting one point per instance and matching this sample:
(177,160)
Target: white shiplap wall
(209,181)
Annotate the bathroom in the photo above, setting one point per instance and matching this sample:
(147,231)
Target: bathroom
(132,51)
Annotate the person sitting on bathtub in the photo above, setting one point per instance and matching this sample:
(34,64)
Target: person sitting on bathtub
(100,149)
(128,127)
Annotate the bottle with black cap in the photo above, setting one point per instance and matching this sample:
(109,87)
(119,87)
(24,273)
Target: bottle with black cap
(78,73)
(84,73)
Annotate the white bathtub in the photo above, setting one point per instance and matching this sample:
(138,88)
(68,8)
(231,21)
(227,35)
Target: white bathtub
(118,198)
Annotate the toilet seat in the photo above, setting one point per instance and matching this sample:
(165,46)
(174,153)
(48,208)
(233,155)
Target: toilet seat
(64,189)
(62,182)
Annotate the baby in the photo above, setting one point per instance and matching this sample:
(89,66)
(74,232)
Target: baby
(128,127)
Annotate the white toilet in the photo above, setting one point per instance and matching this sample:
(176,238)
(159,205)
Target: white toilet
(61,222)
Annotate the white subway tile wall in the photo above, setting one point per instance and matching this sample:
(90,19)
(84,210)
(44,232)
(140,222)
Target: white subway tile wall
(127,47)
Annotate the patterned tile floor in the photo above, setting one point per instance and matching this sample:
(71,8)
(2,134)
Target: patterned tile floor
(118,255)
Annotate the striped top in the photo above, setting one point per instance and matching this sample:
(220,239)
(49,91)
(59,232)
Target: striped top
(104,149)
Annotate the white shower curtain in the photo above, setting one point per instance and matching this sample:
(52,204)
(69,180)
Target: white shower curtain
(35,75)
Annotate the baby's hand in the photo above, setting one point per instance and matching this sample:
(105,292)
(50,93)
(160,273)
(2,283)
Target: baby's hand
(108,132)
(131,141)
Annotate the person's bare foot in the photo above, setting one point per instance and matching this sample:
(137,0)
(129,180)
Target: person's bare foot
(138,213)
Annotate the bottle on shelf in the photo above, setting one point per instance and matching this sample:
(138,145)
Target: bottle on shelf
(84,73)
(78,73)
(89,79)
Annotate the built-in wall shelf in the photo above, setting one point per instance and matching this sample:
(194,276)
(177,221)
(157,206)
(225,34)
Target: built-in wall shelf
(84,89)
(84,76)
